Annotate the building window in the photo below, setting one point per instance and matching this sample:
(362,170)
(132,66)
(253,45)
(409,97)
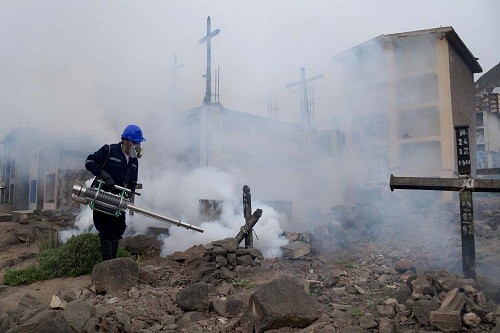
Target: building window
(370,127)
(415,90)
(418,123)
(479,119)
(50,188)
(420,157)
(413,54)
(33,191)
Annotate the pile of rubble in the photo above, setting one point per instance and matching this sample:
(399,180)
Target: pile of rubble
(367,292)
(352,274)
(223,259)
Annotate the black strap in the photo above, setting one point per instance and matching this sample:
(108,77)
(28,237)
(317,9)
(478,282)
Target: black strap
(127,173)
(107,157)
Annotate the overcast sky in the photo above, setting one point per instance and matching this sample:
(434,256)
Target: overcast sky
(93,66)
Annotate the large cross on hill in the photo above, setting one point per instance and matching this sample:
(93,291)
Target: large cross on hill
(465,184)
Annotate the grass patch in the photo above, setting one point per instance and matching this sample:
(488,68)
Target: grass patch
(355,312)
(241,283)
(26,275)
(48,240)
(351,265)
(77,257)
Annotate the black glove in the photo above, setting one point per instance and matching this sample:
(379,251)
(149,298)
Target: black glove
(107,179)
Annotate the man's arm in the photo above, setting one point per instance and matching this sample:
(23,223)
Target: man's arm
(95,162)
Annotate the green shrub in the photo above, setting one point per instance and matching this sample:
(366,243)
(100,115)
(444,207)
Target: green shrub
(48,240)
(24,276)
(77,257)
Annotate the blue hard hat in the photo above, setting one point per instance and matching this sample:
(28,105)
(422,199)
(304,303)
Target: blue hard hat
(133,133)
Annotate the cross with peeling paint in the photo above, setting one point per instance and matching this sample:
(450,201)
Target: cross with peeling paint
(465,184)
(208,76)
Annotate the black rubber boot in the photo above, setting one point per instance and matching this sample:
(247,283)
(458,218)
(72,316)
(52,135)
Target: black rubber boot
(106,249)
(114,248)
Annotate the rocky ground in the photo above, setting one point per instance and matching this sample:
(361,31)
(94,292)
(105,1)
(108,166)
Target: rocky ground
(355,272)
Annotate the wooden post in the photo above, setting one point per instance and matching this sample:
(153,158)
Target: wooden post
(247,213)
(465,184)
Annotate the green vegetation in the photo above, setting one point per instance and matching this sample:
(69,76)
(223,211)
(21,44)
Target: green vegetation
(77,257)
(373,301)
(351,265)
(48,240)
(355,312)
(241,283)
(24,276)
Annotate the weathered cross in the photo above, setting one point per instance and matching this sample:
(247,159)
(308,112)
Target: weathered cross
(304,108)
(246,231)
(208,76)
(465,184)
(175,68)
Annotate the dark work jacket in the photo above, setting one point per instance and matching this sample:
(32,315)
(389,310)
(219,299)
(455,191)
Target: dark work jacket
(111,159)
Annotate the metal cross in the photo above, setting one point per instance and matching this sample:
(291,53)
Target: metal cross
(465,184)
(304,107)
(208,77)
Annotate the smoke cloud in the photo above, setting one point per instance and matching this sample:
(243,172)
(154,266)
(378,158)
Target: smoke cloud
(93,67)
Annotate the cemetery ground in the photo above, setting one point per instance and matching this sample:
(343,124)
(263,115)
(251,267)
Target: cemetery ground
(358,270)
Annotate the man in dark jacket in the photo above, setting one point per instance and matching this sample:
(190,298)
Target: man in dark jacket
(115,164)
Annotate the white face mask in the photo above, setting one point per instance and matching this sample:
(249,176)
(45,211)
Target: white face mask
(135,151)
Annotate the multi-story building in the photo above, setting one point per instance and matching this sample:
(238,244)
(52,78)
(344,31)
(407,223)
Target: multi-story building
(405,92)
(488,119)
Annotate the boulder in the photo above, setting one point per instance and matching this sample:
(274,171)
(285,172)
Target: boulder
(194,297)
(117,275)
(282,303)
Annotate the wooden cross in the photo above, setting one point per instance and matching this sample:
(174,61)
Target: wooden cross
(208,76)
(465,184)
(304,107)
(250,219)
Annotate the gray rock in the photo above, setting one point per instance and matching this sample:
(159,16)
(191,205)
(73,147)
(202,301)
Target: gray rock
(189,318)
(422,310)
(296,249)
(193,297)
(142,245)
(367,322)
(387,325)
(353,329)
(77,313)
(56,324)
(116,275)
(282,303)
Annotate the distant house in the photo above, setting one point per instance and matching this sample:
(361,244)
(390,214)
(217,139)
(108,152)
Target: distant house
(406,92)
(37,166)
(488,119)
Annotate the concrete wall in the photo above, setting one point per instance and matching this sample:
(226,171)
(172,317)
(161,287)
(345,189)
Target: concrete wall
(463,99)
(58,186)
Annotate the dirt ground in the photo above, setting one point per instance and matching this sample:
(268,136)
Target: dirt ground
(17,256)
